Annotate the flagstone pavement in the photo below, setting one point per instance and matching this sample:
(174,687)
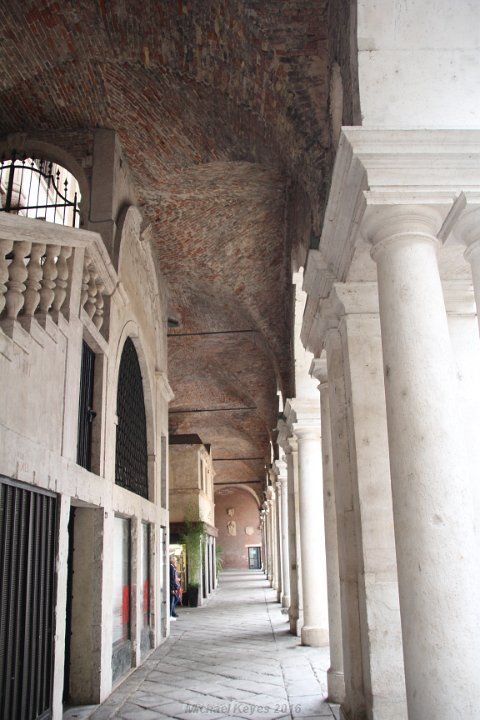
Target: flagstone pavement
(232,658)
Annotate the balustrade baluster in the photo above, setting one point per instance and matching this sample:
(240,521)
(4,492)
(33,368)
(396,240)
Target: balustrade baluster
(85,280)
(90,306)
(5,247)
(17,274)
(50,272)
(62,278)
(33,283)
(98,316)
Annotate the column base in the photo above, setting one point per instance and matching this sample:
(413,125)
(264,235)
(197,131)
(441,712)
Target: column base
(336,686)
(293,619)
(314,636)
(285,600)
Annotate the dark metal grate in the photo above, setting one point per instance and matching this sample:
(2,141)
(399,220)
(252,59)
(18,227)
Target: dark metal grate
(131,451)
(37,188)
(86,414)
(27,567)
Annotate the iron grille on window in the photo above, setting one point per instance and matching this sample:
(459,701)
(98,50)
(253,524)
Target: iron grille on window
(27,571)
(131,448)
(38,189)
(86,415)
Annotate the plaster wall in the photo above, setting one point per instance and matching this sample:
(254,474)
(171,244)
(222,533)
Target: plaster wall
(246,515)
(418,63)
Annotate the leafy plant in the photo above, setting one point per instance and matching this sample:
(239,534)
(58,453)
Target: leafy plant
(193,537)
(218,559)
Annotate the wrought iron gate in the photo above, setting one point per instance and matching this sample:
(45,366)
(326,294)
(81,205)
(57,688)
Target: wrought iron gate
(131,470)
(37,188)
(27,567)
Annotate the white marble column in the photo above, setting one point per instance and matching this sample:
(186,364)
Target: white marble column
(335,676)
(268,533)
(278,539)
(282,492)
(312,533)
(263,530)
(438,564)
(275,532)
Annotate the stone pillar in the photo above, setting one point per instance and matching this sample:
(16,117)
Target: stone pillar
(438,565)
(314,582)
(347,527)
(268,541)
(282,491)
(289,444)
(272,500)
(271,549)
(335,677)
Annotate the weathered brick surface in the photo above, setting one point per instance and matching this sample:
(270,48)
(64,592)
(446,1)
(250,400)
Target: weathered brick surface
(222,111)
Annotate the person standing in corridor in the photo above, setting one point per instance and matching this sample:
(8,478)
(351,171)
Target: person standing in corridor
(174,587)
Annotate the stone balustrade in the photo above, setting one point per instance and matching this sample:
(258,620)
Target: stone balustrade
(47,270)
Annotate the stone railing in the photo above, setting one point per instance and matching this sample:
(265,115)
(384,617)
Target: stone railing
(48,270)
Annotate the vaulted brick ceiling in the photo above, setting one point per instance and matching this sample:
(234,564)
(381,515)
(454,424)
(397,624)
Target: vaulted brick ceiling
(221,108)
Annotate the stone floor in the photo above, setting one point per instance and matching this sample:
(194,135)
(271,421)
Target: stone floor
(231,658)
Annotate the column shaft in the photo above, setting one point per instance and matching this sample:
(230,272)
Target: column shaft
(312,533)
(285,564)
(438,566)
(335,677)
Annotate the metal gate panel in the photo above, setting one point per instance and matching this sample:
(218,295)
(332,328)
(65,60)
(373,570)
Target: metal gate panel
(86,415)
(131,471)
(27,566)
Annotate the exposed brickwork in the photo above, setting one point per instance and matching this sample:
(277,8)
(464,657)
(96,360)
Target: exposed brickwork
(222,111)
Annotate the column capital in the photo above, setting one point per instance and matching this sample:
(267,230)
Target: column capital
(280,470)
(300,410)
(310,431)
(383,225)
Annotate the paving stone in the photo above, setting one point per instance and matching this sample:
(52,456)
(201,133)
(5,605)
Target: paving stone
(310,705)
(233,659)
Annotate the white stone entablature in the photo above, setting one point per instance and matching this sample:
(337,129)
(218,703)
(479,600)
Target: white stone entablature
(377,171)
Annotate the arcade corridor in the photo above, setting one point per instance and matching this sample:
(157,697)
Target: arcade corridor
(232,658)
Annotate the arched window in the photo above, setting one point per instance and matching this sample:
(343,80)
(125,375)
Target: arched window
(38,188)
(131,470)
